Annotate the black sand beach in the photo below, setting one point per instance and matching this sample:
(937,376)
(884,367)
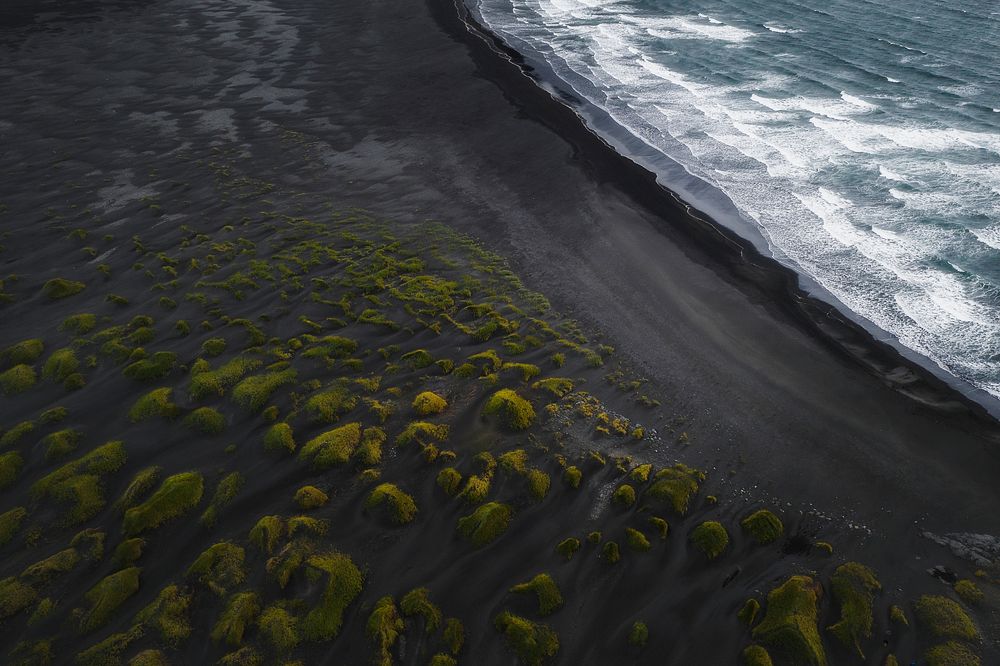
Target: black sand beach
(128,116)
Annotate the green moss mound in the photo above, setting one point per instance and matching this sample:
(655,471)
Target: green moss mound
(676,486)
(486,523)
(423,433)
(369,451)
(156,403)
(383,628)
(10,523)
(206,420)
(399,507)
(748,613)
(545,590)
(58,288)
(557,386)
(941,617)
(225,492)
(26,351)
(711,538)
(328,406)
(207,383)
(18,379)
(213,346)
(107,596)
(141,483)
(624,495)
(568,547)
(763,526)
(279,437)
(61,364)
(417,602)
(344,583)
(636,540)
(789,624)
(10,467)
(168,615)
(854,586)
(240,612)
(17,433)
(56,564)
(177,495)
(219,567)
(951,653)
(79,482)
(253,392)
(513,411)
(755,655)
(638,635)
(279,628)
(572,476)
(334,447)
(532,642)
(156,366)
(449,479)
(310,497)
(969,592)
(429,403)
(15,596)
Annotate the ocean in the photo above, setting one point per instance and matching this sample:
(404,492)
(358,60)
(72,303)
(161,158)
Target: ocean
(860,140)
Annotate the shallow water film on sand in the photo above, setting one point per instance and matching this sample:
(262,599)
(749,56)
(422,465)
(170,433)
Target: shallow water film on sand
(862,138)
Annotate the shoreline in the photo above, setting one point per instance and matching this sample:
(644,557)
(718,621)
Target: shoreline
(845,332)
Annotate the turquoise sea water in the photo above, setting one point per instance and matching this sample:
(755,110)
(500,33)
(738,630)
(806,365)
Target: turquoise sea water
(861,138)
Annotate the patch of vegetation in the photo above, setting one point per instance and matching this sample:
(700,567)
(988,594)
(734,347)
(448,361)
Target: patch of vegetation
(168,615)
(383,628)
(24,352)
(141,483)
(610,552)
(417,603)
(17,433)
(969,592)
(638,635)
(18,379)
(10,467)
(423,433)
(951,653)
(155,403)
(567,547)
(79,324)
(279,628)
(310,497)
(676,486)
(330,405)
(107,596)
(79,482)
(253,392)
(755,655)
(10,523)
(854,586)
(789,624)
(213,383)
(206,420)
(53,415)
(748,613)
(636,540)
(429,403)
(59,563)
(710,538)
(532,642)
(220,567)
(449,479)
(624,495)
(486,523)
(15,596)
(225,492)
(213,346)
(344,582)
(572,476)
(240,613)
(279,438)
(267,533)
(177,495)
(157,366)
(128,552)
(557,386)
(941,617)
(333,447)
(514,412)
(545,590)
(58,288)
(763,526)
(399,506)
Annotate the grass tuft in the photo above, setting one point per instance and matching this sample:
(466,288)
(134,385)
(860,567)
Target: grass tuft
(177,495)
(514,412)
(486,523)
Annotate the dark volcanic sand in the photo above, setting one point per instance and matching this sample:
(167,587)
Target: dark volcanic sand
(422,121)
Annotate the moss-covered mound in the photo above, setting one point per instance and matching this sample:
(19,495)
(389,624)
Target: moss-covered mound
(206,420)
(177,495)
(18,379)
(854,586)
(545,590)
(676,486)
(417,602)
(513,411)
(58,288)
(333,447)
(486,523)
(789,624)
(343,584)
(533,643)
(711,538)
(943,618)
(107,596)
(310,497)
(398,506)
(429,403)
(763,526)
